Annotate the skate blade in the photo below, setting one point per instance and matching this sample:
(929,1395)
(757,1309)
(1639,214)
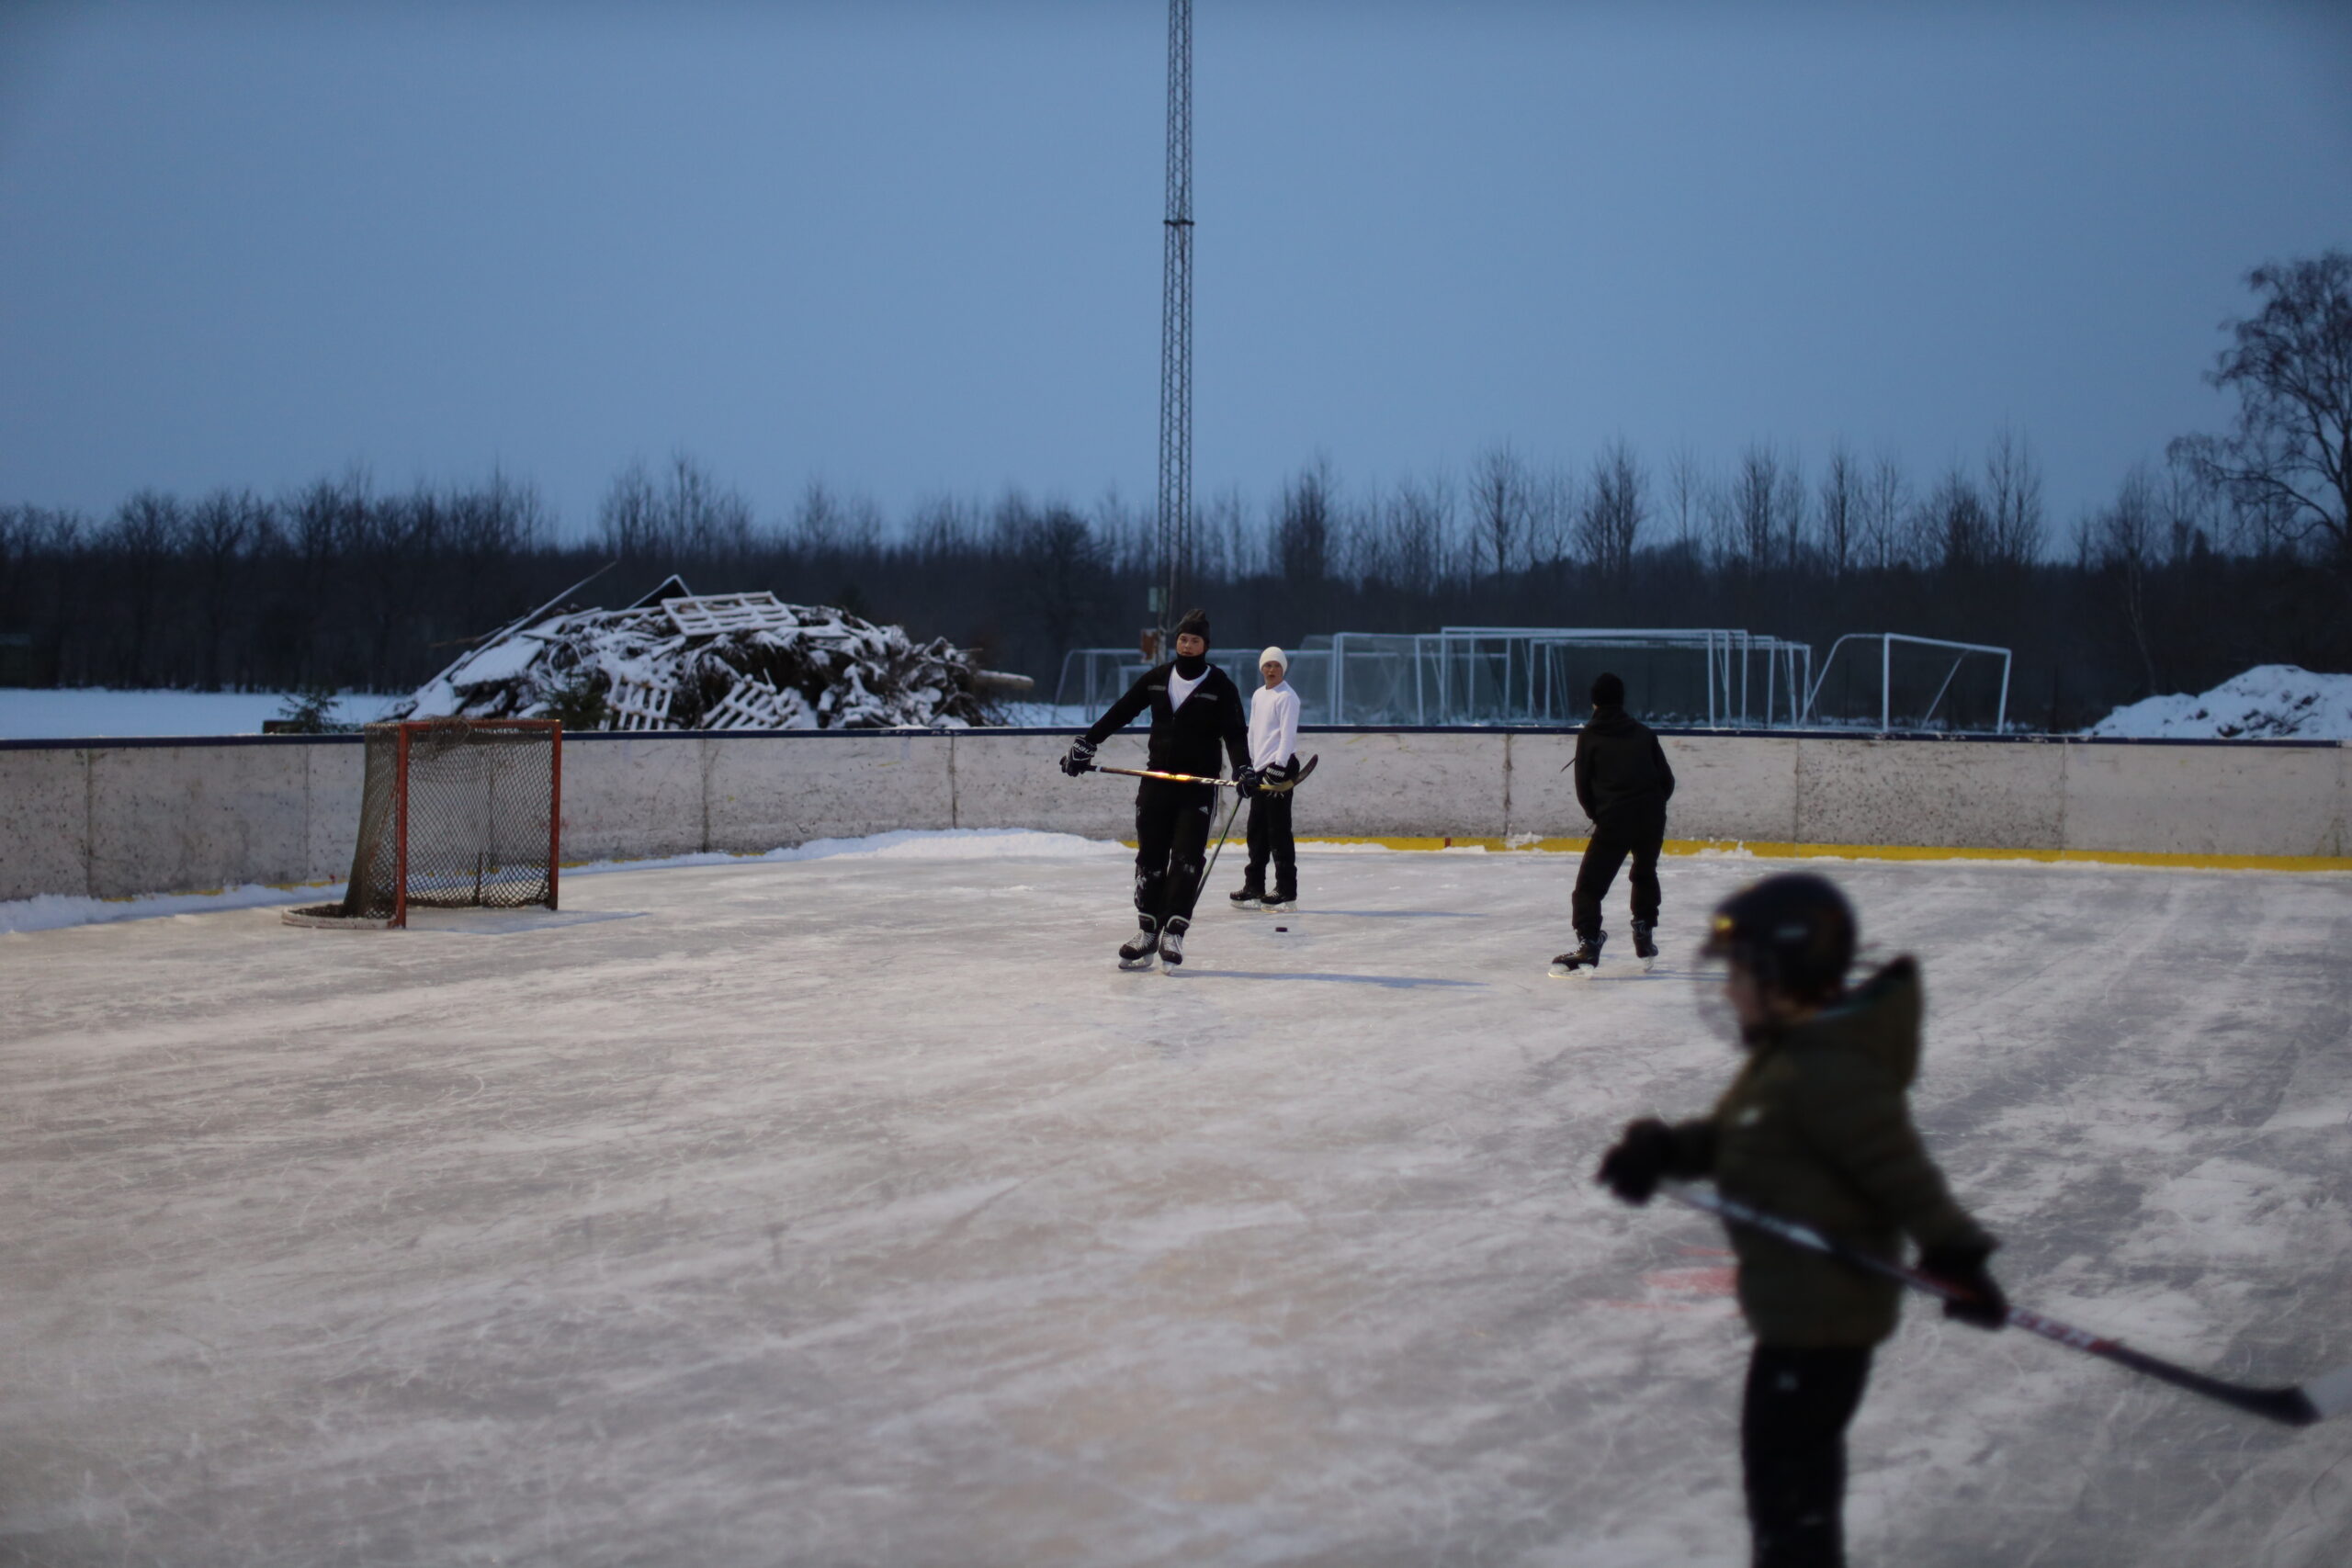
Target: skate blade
(1571,971)
(1249,903)
(1146,962)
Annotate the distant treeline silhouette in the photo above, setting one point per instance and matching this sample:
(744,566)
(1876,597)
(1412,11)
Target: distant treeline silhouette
(2231,551)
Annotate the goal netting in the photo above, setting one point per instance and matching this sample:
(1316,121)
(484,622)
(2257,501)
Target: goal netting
(455,813)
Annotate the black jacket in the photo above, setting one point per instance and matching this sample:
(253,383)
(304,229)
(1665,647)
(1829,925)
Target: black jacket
(1817,1128)
(1184,740)
(1620,768)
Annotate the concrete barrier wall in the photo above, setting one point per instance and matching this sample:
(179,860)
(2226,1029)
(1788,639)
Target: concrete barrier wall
(112,820)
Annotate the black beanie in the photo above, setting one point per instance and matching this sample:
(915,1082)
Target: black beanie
(1195,624)
(1608,692)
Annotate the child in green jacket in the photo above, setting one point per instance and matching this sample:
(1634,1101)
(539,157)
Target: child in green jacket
(1814,1128)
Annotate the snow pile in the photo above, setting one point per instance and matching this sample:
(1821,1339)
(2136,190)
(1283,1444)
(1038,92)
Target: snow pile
(2269,702)
(55,912)
(724,661)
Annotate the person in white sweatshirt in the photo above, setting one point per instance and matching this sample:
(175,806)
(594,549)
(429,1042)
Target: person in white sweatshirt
(1274,752)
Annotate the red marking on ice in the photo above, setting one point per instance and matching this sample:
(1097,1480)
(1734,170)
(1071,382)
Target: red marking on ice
(1691,1282)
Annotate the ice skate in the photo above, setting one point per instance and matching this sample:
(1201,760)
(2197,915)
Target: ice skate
(1172,941)
(1582,961)
(1252,895)
(1284,897)
(1139,950)
(1644,945)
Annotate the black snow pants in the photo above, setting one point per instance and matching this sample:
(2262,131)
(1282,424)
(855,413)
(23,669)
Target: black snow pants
(1639,832)
(1793,1448)
(1171,840)
(1269,838)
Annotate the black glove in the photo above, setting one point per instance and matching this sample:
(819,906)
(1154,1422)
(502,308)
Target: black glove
(1641,1159)
(1250,779)
(1963,1268)
(1080,759)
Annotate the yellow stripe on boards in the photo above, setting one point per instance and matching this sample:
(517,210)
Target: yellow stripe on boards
(1770,850)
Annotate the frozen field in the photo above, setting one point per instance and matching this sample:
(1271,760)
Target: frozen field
(856,1211)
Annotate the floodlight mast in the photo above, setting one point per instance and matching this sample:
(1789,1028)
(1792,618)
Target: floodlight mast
(1176,329)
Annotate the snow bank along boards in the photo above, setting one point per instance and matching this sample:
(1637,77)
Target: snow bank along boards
(2296,1404)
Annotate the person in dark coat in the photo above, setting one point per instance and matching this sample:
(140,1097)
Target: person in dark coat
(1196,710)
(1623,784)
(1814,1128)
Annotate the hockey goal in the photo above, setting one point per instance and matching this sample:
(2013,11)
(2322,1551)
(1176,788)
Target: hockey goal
(457,812)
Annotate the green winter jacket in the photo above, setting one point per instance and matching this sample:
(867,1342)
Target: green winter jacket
(1815,1129)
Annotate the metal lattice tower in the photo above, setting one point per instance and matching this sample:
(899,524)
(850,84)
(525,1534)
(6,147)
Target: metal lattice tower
(1176,324)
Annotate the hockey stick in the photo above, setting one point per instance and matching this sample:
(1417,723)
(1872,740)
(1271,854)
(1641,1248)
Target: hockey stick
(1203,885)
(2298,1405)
(1285,787)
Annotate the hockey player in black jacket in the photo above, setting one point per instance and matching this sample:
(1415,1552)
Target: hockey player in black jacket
(1623,784)
(1195,708)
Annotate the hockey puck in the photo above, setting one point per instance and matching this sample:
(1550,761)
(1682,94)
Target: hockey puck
(1281,928)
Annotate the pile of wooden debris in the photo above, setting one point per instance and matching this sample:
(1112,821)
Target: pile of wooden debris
(678,660)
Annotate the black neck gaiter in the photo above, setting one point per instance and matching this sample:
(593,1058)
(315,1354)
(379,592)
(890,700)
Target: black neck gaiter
(1191,666)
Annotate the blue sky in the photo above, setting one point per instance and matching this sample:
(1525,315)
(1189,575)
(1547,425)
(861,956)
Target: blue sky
(913,248)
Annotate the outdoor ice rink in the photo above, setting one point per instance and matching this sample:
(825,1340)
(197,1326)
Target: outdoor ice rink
(857,1211)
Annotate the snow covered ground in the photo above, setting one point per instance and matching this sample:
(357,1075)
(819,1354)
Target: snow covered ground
(854,1208)
(2269,702)
(74,713)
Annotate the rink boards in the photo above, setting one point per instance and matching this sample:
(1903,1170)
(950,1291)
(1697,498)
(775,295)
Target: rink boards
(127,817)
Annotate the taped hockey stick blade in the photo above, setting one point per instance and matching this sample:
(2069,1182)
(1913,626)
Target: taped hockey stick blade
(1291,784)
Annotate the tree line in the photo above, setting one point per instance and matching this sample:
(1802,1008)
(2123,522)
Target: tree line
(2228,550)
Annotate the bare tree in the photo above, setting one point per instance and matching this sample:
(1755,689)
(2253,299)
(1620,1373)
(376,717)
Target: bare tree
(2289,461)
(1417,526)
(1303,526)
(1501,496)
(221,529)
(1616,504)
(1555,511)
(2124,538)
(1885,504)
(1686,501)
(825,524)
(628,519)
(1767,505)
(1955,523)
(2012,498)
(2186,501)
(1840,508)
(1062,575)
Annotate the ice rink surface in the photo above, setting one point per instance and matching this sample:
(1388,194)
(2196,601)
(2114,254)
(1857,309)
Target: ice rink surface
(857,1211)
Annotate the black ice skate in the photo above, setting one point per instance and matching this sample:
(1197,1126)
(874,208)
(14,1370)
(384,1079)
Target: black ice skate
(1645,946)
(1251,897)
(1172,941)
(1282,899)
(1583,961)
(1139,950)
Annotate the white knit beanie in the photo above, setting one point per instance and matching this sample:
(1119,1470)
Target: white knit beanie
(1274,655)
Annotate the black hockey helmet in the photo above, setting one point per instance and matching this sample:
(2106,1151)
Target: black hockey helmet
(1794,932)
